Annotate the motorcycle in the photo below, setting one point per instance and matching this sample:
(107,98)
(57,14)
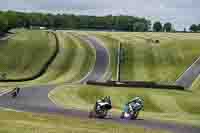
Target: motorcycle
(15,92)
(131,111)
(101,109)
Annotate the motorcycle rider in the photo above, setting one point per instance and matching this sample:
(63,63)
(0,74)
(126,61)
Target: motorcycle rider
(101,108)
(135,104)
(102,101)
(15,92)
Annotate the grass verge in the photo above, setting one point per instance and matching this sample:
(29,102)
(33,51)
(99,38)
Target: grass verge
(170,105)
(30,49)
(31,123)
(73,62)
(144,59)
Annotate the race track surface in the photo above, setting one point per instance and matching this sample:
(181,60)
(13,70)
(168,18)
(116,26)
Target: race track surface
(102,59)
(35,99)
(188,77)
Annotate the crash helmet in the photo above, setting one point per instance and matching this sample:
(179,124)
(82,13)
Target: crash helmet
(107,98)
(138,100)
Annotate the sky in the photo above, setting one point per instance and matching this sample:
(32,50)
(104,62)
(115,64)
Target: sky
(182,13)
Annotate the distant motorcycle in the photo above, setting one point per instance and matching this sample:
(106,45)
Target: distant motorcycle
(15,92)
(132,109)
(101,108)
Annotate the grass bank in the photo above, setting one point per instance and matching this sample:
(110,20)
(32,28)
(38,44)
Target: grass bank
(165,61)
(25,54)
(169,105)
(74,60)
(143,58)
(31,123)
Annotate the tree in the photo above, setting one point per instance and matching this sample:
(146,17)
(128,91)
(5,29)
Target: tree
(12,19)
(167,27)
(157,27)
(3,24)
(139,27)
(148,25)
(184,30)
(194,28)
(199,27)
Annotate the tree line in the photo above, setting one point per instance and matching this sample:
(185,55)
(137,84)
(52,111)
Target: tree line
(195,28)
(13,19)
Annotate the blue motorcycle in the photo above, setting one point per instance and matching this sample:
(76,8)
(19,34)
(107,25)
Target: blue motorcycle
(131,109)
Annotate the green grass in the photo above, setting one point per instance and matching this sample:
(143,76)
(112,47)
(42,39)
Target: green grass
(73,61)
(178,106)
(24,54)
(196,85)
(32,123)
(163,62)
(4,90)
(144,59)
(68,65)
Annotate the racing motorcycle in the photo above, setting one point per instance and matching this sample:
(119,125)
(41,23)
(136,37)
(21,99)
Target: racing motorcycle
(15,92)
(101,108)
(131,110)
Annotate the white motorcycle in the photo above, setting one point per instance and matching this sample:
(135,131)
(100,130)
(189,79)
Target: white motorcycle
(101,109)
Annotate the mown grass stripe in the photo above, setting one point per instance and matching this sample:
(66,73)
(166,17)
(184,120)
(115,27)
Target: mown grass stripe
(112,46)
(165,103)
(79,60)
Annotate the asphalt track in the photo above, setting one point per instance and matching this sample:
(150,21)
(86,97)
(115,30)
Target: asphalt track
(35,99)
(102,59)
(188,77)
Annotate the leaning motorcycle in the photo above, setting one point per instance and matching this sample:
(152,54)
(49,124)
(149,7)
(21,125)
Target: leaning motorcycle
(15,92)
(131,111)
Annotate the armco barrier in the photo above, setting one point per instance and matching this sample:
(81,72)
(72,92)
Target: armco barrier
(137,84)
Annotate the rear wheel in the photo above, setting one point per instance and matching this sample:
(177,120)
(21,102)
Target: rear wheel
(91,114)
(134,115)
(102,115)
